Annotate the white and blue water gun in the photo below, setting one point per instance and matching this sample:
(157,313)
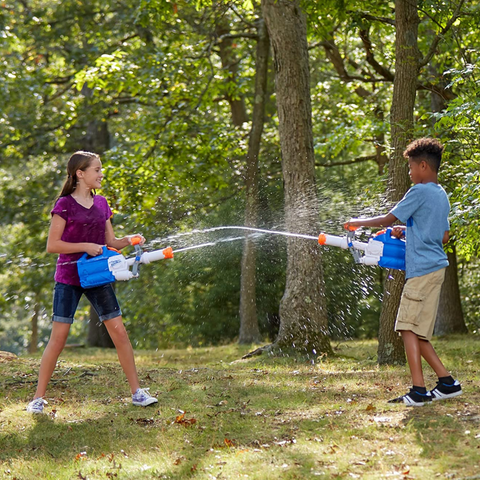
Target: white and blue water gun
(382,249)
(111,265)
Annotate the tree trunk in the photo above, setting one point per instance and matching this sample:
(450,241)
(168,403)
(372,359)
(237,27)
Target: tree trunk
(249,331)
(97,140)
(98,335)
(407,55)
(303,315)
(230,63)
(450,314)
(33,345)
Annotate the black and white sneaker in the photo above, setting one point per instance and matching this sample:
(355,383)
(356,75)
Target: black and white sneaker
(413,399)
(443,391)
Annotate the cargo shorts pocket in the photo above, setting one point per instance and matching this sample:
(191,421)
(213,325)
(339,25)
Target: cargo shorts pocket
(411,305)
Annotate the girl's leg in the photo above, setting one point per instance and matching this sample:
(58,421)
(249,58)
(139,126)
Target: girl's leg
(57,341)
(430,355)
(119,336)
(414,357)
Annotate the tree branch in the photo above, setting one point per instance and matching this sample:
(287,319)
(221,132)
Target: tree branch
(380,69)
(373,18)
(366,158)
(439,36)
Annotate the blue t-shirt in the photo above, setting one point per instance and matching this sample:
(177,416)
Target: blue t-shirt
(424,209)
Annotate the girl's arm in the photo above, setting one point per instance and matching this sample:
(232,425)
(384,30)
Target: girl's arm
(118,243)
(55,244)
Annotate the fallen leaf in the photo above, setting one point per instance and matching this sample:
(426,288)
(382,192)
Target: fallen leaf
(229,443)
(370,408)
(186,422)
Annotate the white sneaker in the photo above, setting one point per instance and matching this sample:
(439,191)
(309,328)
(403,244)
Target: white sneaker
(141,398)
(36,405)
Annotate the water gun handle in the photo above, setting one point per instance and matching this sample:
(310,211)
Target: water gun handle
(135,240)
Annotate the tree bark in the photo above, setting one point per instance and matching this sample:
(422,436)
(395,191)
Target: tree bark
(97,140)
(249,331)
(303,315)
(33,345)
(407,57)
(98,335)
(230,63)
(450,314)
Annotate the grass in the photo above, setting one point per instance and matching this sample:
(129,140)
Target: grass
(223,418)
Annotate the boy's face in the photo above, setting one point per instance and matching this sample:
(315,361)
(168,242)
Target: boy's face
(417,170)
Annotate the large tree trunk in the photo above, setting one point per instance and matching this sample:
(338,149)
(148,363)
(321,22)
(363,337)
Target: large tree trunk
(407,56)
(249,331)
(450,314)
(303,316)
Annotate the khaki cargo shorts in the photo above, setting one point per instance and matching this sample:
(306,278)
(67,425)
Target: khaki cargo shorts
(419,304)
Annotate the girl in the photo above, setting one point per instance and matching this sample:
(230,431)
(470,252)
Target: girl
(81,223)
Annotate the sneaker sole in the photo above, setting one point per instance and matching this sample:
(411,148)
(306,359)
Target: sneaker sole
(146,403)
(411,403)
(445,396)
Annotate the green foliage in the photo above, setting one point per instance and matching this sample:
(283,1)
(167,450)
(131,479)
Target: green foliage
(150,74)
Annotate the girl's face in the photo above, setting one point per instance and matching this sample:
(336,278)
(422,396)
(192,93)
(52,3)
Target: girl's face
(92,176)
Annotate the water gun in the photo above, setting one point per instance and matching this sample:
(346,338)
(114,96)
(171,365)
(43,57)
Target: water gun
(112,266)
(382,249)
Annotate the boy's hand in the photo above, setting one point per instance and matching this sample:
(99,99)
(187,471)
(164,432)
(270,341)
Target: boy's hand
(353,224)
(136,239)
(398,232)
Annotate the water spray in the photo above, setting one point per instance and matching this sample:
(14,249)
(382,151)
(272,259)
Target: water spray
(382,249)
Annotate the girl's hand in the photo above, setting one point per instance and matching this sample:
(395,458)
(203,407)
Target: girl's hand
(93,249)
(136,239)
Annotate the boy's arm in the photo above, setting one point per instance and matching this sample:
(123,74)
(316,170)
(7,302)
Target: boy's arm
(446,237)
(381,221)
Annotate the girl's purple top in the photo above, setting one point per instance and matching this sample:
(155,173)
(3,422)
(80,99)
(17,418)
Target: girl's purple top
(82,225)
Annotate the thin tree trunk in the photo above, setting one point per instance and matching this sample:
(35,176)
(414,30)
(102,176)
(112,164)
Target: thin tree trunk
(97,140)
(303,316)
(230,63)
(450,314)
(33,345)
(407,55)
(249,331)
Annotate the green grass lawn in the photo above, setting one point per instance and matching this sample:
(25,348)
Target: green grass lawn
(219,417)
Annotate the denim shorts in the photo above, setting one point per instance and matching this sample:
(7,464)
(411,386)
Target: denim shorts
(66,298)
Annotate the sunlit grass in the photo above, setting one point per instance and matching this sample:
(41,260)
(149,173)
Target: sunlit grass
(262,418)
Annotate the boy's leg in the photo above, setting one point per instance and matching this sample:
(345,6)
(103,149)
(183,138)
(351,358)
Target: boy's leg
(414,357)
(430,355)
(57,341)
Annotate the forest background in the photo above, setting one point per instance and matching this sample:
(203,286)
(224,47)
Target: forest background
(186,103)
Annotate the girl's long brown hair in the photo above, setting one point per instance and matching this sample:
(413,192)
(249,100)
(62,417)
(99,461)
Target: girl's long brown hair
(78,161)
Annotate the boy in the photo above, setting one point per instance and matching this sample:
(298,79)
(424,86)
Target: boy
(424,209)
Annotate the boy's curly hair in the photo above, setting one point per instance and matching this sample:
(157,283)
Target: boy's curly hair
(428,149)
